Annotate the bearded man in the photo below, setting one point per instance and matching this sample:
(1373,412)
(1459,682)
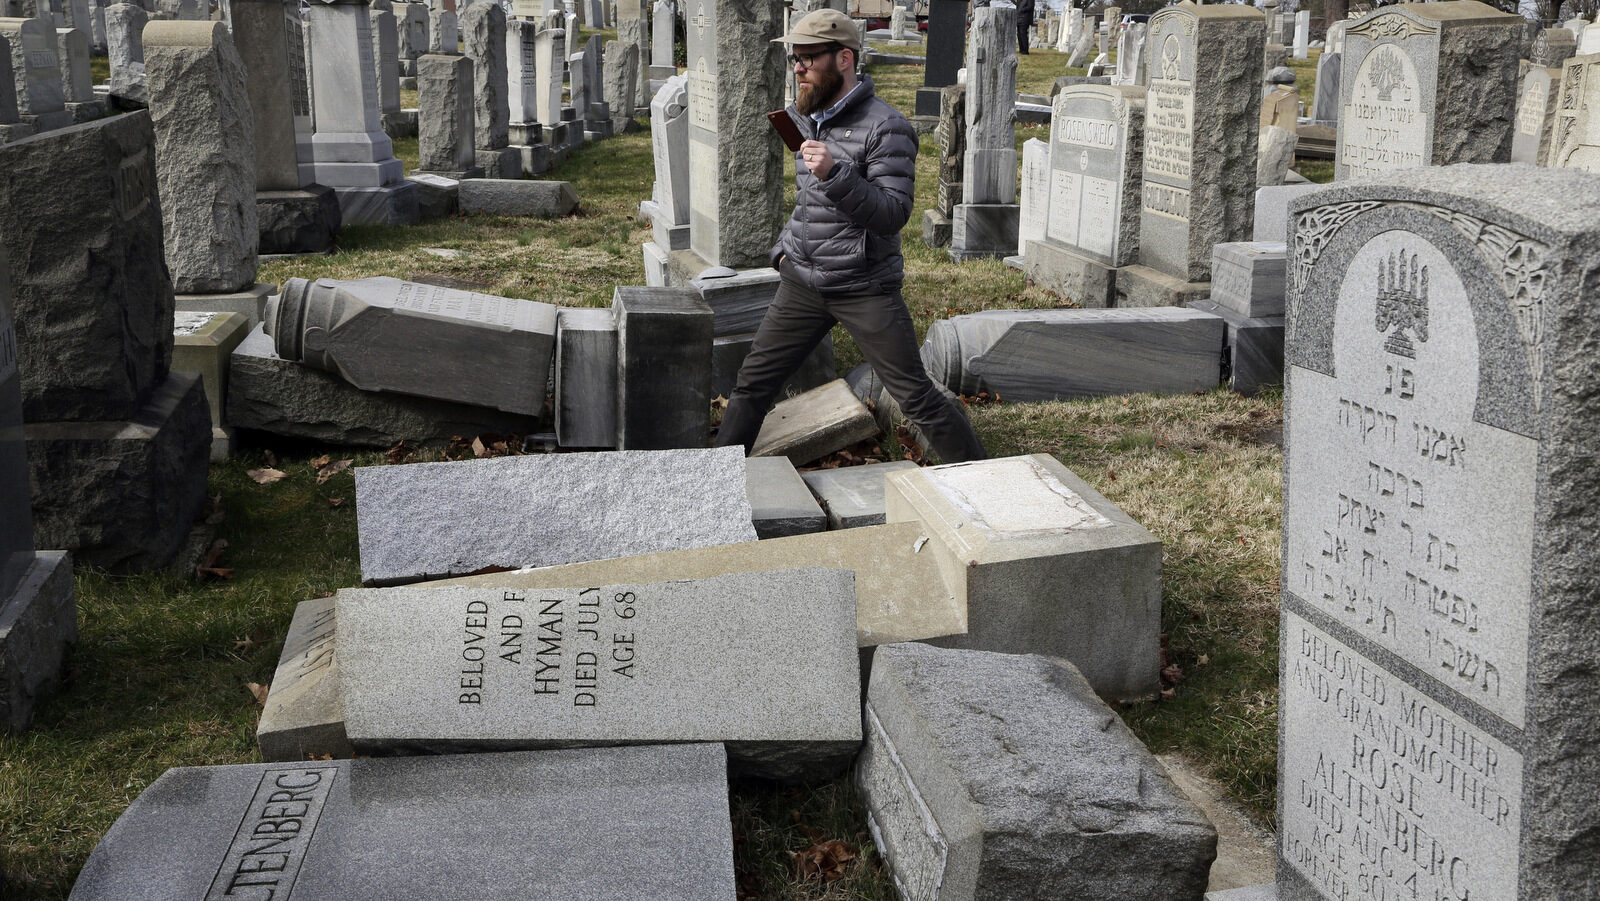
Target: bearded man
(839,255)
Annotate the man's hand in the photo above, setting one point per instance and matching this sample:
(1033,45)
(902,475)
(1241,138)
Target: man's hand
(817,158)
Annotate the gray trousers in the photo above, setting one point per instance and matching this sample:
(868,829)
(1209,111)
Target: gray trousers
(881,325)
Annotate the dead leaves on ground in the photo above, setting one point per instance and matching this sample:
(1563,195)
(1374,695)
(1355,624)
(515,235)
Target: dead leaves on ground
(327,468)
(826,860)
(208,568)
(266,475)
(258,691)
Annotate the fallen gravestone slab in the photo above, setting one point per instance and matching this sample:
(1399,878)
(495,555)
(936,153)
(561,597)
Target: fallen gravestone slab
(1004,776)
(853,495)
(764,662)
(593,824)
(1044,565)
(540,510)
(302,718)
(1025,355)
(812,425)
(384,334)
(779,502)
(586,378)
(900,592)
(900,596)
(271,394)
(517,197)
(38,625)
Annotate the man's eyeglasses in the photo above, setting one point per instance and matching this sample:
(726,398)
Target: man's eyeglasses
(807,60)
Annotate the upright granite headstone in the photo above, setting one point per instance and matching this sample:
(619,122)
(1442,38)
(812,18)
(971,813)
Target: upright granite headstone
(1536,115)
(262,42)
(522,80)
(735,158)
(483,37)
(36,69)
(72,53)
(125,49)
(549,58)
(201,111)
(1096,155)
(386,62)
(947,27)
(621,78)
(1430,84)
(384,334)
(413,34)
(1436,707)
(1325,102)
(445,115)
(1575,141)
(352,153)
(617,664)
(984,223)
(543,823)
(663,22)
(1130,56)
(633,27)
(1199,146)
(1552,47)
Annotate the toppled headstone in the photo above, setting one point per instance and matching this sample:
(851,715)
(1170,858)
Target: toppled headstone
(780,504)
(546,509)
(302,717)
(812,425)
(852,496)
(1002,776)
(1008,533)
(1051,354)
(1252,350)
(384,334)
(518,197)
(481,668)
(900,593)
(270,394)
(520,824)
(1247,277)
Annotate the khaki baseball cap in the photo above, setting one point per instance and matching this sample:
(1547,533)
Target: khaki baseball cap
(824,26)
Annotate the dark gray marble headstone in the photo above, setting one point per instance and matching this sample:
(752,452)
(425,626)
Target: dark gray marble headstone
(1441,557)
(94,329)
(664,340)
(16,499)
(605,823)
(586,378)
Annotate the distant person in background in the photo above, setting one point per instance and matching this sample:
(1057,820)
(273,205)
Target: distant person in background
(1024,24)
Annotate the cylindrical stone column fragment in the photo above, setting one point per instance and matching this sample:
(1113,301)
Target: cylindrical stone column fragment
(384,334)
(201,111)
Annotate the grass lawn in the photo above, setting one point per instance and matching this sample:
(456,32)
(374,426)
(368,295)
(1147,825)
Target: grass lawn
(164,670)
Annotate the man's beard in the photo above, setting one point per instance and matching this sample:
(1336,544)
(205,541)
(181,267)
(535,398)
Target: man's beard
(811,98)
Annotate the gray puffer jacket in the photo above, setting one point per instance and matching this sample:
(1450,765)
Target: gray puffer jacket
(844,234)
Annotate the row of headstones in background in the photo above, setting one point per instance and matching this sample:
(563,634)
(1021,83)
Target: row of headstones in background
(46,83)
(1434,658)
(975,549)
(117,444)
